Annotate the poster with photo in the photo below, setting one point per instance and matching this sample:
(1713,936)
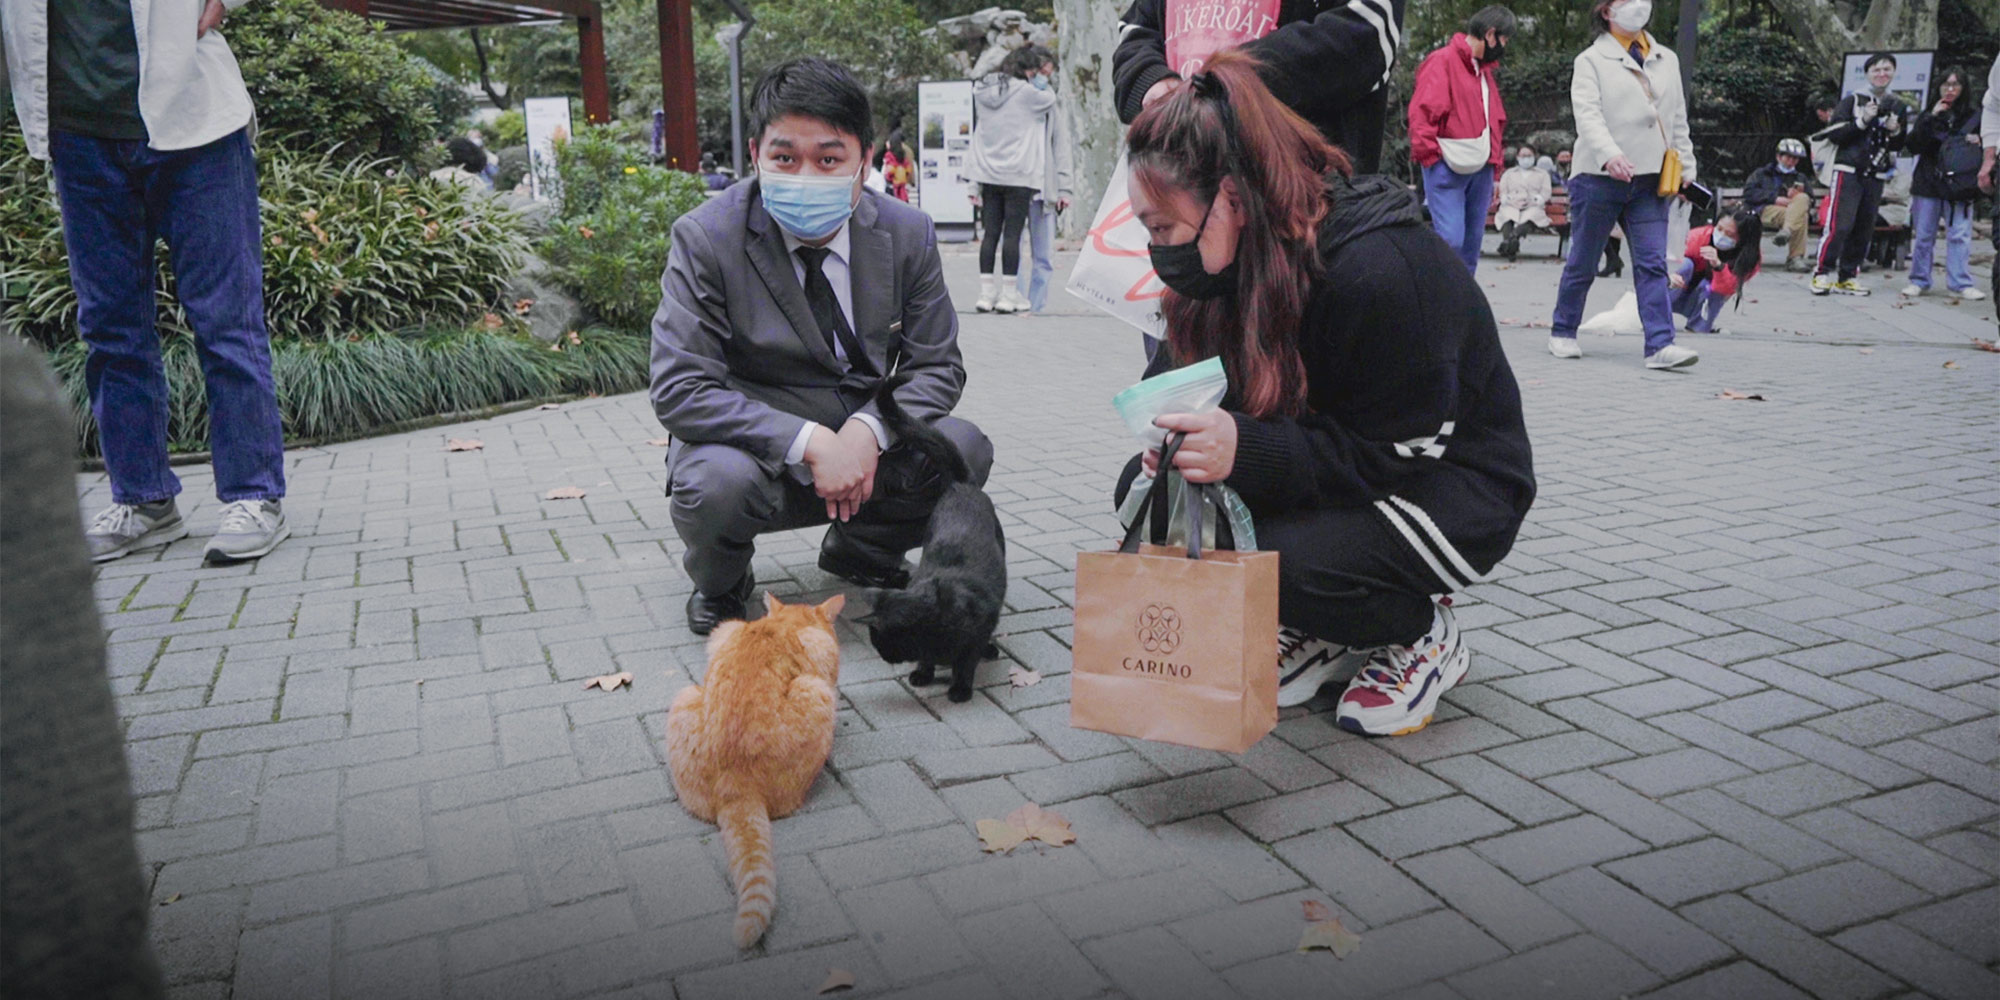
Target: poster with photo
(548,120)
(945,109)
(1912,86)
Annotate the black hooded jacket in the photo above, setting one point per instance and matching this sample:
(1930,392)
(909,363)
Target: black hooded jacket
(1328,60)
(1413,409)
(1928,136)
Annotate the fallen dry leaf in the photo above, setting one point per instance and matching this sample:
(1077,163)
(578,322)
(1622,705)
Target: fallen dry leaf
(1867,350)
(492,321)
(1022,677)
(564,493)
(1042,825)
(574,337)
(836,979)
(463,444)
(171,900)
(1331,935)
(1951,364)
(1317,911)
(1986,345)
(999,837)
(1733,394)
(1532,381)
(660,442)
(549,406)
(609,682)
(522,306)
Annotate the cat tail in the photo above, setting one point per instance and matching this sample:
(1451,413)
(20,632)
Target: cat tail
(746,835)
(919,434)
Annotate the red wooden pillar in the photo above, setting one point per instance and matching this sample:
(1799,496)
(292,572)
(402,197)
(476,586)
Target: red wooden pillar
(677,83)
(590,47)
(351,6)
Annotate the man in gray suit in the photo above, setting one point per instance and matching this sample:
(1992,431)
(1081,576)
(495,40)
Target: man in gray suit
(787,300)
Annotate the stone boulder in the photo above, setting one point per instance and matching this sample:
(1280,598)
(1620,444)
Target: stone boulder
(551,312)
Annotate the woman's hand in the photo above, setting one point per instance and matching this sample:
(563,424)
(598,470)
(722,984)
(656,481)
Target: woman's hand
(1708,254)
(1159,90)
(1676,281)
(212,14)
(1620,168)
(1209,452)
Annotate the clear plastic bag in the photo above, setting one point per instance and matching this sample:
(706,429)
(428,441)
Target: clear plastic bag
(1240,526)
(1193,389)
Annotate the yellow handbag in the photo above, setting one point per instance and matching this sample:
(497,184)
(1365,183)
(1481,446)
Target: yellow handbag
(1670,164)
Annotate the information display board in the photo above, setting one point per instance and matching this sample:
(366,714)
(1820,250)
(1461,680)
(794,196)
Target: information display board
(548,120)
(944,144)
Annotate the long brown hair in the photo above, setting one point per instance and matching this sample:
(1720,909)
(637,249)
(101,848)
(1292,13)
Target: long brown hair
(1225,123)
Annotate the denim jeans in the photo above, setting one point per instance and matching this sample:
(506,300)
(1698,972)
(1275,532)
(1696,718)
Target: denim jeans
(1458,204)
(1596,203)
(1034,280)
(1697,301)
(1925,214)
(117,198)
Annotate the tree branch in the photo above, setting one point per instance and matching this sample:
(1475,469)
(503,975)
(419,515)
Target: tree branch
(501,100)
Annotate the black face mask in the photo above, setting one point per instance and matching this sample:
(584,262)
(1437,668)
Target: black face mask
(1180,268)
(1494,50)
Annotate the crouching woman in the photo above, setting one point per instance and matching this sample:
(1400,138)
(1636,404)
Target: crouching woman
(1372,425)
(1720,260)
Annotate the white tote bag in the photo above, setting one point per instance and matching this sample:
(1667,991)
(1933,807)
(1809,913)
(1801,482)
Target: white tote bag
(1470,156)
(1115,270)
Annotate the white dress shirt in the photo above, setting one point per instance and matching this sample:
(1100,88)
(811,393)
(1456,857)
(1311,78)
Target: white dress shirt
(837,274)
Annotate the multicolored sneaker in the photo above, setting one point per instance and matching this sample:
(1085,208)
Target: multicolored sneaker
(1306,663)
(1397,692)
(1851,287)
(1822,284)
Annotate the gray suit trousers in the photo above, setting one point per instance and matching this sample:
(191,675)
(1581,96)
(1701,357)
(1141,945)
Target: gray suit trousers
(723,499)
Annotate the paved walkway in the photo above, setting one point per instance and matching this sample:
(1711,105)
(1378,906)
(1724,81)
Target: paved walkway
(1730,728)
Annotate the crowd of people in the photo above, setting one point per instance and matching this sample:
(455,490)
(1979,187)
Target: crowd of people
(1372,424)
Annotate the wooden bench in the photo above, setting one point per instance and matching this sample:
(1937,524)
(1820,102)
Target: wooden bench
(1558,209)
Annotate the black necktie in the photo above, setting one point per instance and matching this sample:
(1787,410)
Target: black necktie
(1638,54)
(826,311)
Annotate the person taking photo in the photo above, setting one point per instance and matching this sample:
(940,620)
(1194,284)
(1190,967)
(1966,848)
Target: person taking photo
(1944,187)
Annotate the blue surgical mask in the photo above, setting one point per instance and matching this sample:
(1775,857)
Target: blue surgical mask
(1041,82)
(1723,241)
(808,206)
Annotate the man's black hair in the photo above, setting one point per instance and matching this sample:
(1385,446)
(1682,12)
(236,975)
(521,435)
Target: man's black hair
(465,154)
(1826,102)
(1494,18)
(812,88)
(1876,58)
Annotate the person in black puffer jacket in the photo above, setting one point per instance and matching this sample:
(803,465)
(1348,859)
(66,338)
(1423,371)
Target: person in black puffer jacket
(1372,425)
(1328,60)
(1945,137)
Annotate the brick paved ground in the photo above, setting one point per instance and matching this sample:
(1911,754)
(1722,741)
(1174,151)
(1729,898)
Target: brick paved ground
(1730,728)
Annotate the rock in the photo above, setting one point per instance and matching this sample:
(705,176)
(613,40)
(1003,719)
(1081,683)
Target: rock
(551,311)
(533,215)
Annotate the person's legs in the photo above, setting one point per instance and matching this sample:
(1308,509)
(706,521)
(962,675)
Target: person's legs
(992,210)
(1958,246)
(1344,576)
(1924,214)
(1798,216)
(1840,214)
(1478,196)
(1645,222)
(892,521)
(205,204)
(1686,300)
(1867,202)
(1445,195)
(1041,244)
(721,500)
(1708,306)
(110,245)
(1593,209)
(1014,219)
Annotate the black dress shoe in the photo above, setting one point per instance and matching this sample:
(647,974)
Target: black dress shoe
(704,613)
(842,561)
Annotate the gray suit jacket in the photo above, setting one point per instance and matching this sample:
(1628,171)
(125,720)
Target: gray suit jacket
(737,358)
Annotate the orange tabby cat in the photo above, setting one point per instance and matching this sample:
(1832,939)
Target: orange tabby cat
(746,747)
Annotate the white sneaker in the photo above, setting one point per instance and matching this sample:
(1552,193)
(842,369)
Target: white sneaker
(989,290)
(1911,291)
(1672,356)
(124,528)
(1305,664)
(1011,301)
(1397,692)
(249,529)
(1565,347)
(1970,294)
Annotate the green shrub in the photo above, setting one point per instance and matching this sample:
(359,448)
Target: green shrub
(335,390)
(351,249)
(323,79)
(609,242)
(509,128)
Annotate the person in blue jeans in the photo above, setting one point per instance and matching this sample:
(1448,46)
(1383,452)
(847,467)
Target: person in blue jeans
(1630,116)
(1054,196)
(1456,124)
(1720,260)
(147,128)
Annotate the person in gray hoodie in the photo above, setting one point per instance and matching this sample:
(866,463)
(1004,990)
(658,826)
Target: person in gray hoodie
(1009,162)
(1056,192)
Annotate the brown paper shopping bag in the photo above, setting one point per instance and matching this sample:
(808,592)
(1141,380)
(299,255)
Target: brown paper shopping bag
(1177,644)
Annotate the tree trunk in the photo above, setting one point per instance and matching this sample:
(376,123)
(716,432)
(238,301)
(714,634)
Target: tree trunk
(500,100)
(1088,30)
(1892,25)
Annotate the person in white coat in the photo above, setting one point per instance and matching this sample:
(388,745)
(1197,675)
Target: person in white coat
(1631,125)
(1009,159)
(143,114)
(1525,191)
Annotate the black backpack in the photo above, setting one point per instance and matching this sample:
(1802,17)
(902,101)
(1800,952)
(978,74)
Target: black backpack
(1958,162)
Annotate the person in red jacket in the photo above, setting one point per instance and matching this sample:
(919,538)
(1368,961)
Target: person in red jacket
(1456,120)
(1720,260)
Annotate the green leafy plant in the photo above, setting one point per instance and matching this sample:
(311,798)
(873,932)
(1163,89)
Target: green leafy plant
(509,128)
(610,240)
(323,79)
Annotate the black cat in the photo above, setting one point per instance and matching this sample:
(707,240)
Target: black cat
(947,614)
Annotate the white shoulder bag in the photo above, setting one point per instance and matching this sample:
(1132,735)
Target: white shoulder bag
(1470,156)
